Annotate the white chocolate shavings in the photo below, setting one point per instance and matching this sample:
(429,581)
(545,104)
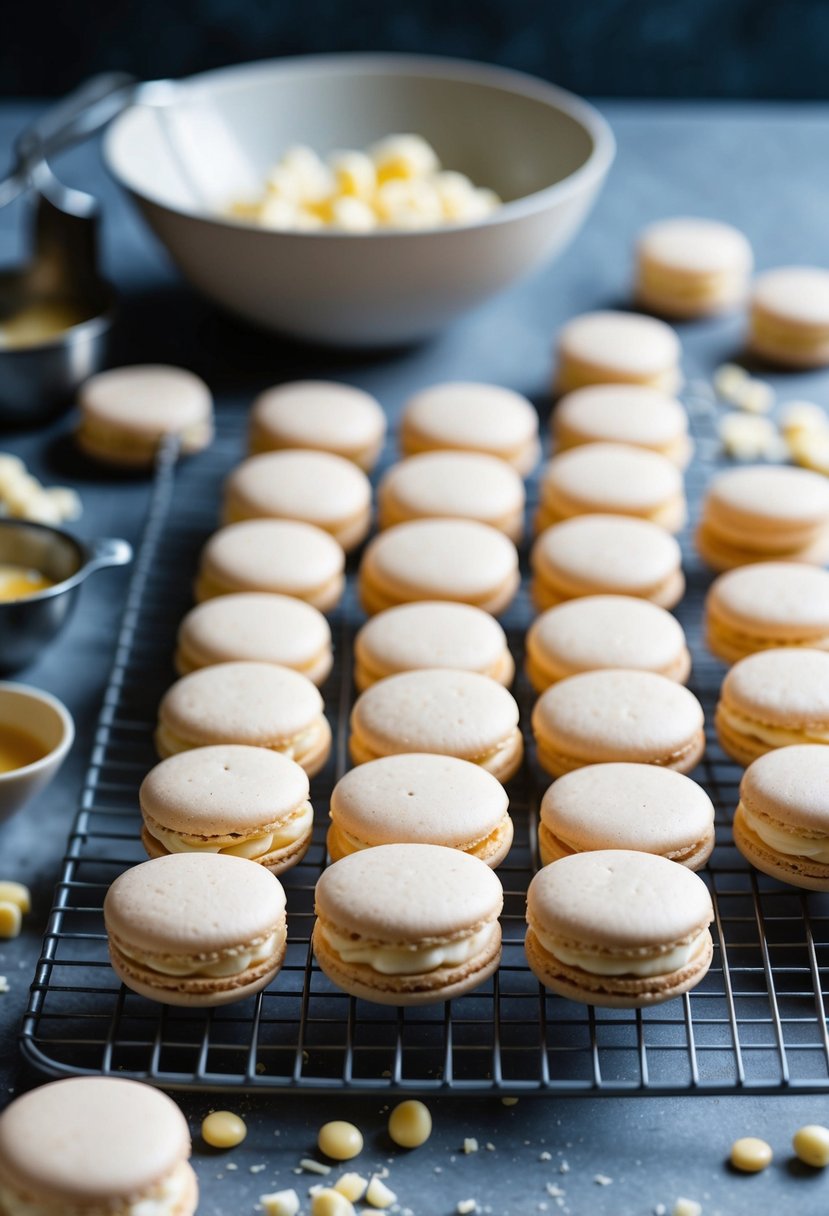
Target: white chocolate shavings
(314,1167)
(23,497)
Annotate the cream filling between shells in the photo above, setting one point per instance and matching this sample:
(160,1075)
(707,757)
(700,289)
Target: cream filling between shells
(252,847)
(478,847)
(643,965)
(690,285)
(164,1200)
(220,965)
(782,841)
(294,748)
(409,960)
(775,736)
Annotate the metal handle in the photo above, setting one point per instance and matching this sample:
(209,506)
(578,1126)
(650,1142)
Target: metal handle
(108,551)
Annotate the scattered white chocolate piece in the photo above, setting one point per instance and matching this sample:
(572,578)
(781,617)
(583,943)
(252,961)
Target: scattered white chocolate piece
(352,1185)
(811,1144)
(328,1202)
(729,381)
(379,1195)
(280,1203)
(748,437)
(470,1145)
(687,1207)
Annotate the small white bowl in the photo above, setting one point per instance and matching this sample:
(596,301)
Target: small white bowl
(214,137)
(48,720)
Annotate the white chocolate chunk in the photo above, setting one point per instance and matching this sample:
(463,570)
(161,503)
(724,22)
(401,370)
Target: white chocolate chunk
(280,1203)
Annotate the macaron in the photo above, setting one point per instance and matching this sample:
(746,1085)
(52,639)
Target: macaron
(603,716)
(254,704)
(781,824)
(765,606)
(459,560)
(617,348)
(88,1145)
(789,316)
(228,799)
(255,627)
(127,412)
(408,924)
(431,634)
(606,554)
(470,417)
(758,512)
(453,485)
(603,631)
(771,699)
(313,487)
(611,479)
(618,928)
(319,415)
(689,267)
(627,806)
(273,555)
(421,799)
(623,413)
(449,713)
(196,929)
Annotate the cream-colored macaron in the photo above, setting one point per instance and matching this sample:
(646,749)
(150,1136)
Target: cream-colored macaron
(465,416)
(611,479)
(602,716)
(449,713)
(617,348)
(431,634)
(453,485)
(273,555)
(255,704)
(604,631)
(627,806)
(690,267)
(765,606)
(322,416)
(606,555)
(623,413)
(421,798)
(256,627)
(313,487)
(128,411)
(771,699)
(243,801)
(439,559)
(789,320)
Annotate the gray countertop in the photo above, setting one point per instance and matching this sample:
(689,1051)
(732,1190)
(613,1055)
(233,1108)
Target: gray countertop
(763,167)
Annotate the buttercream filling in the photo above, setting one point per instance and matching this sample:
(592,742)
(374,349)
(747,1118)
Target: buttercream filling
(164,1199)
(409,960)
(777,838)
(478,848)
(220,965)
(253,847)
(744,637)
(690,285)
(794,334)
(122,441)
(642,965)
(485,759)
(294,748)
(775,736)
(548,836)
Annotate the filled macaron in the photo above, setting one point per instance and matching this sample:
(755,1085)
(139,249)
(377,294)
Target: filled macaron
(790,316)
(771,699)
(765,606)
(322,416)
(453,485)
(692,267)
(468,417)
(623,413)
(617,348)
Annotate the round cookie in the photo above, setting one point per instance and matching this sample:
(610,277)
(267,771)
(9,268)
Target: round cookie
(431,634)
(313,487)
(470,417)
(228,799)
(789,316)
(127,412)
(765,606)
(196,929)
(623,413)
(617,348)
(758,512)
(688,267)
(319,415)
(618,929)
(255,627)
(606,554)
(611,479)
(627,806)
(408,924)
(604,631)
(453,485)
(771,699)
(449,713)
(781,824)
(254,704)
(421,799)
(273,555)
(439,559)
(95,1144)
(602,716)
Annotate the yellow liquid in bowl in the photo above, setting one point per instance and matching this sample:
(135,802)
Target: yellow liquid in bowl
(18,748)
(19,582)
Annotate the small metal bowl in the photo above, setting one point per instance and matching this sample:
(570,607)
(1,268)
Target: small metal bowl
(27,626)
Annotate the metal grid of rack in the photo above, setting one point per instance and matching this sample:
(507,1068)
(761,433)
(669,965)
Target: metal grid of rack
(757,1022)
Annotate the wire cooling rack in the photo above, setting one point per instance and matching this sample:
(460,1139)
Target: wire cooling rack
(757,1022)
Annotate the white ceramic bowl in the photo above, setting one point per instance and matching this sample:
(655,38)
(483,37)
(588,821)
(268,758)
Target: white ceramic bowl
(214,139)
(48,720)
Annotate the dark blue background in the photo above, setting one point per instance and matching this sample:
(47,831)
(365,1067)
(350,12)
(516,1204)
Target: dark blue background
(623,48)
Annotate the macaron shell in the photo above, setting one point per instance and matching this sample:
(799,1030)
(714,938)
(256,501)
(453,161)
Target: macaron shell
(788,687)
(777,496)
(193,992)
(766,605)
(794,293)
(283,556)
(320,415)
(315,487)
(463,415)
(453,485)
(790,785)
(623,413)
(147,399)
(804,872)
(615,478)
(694,246)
